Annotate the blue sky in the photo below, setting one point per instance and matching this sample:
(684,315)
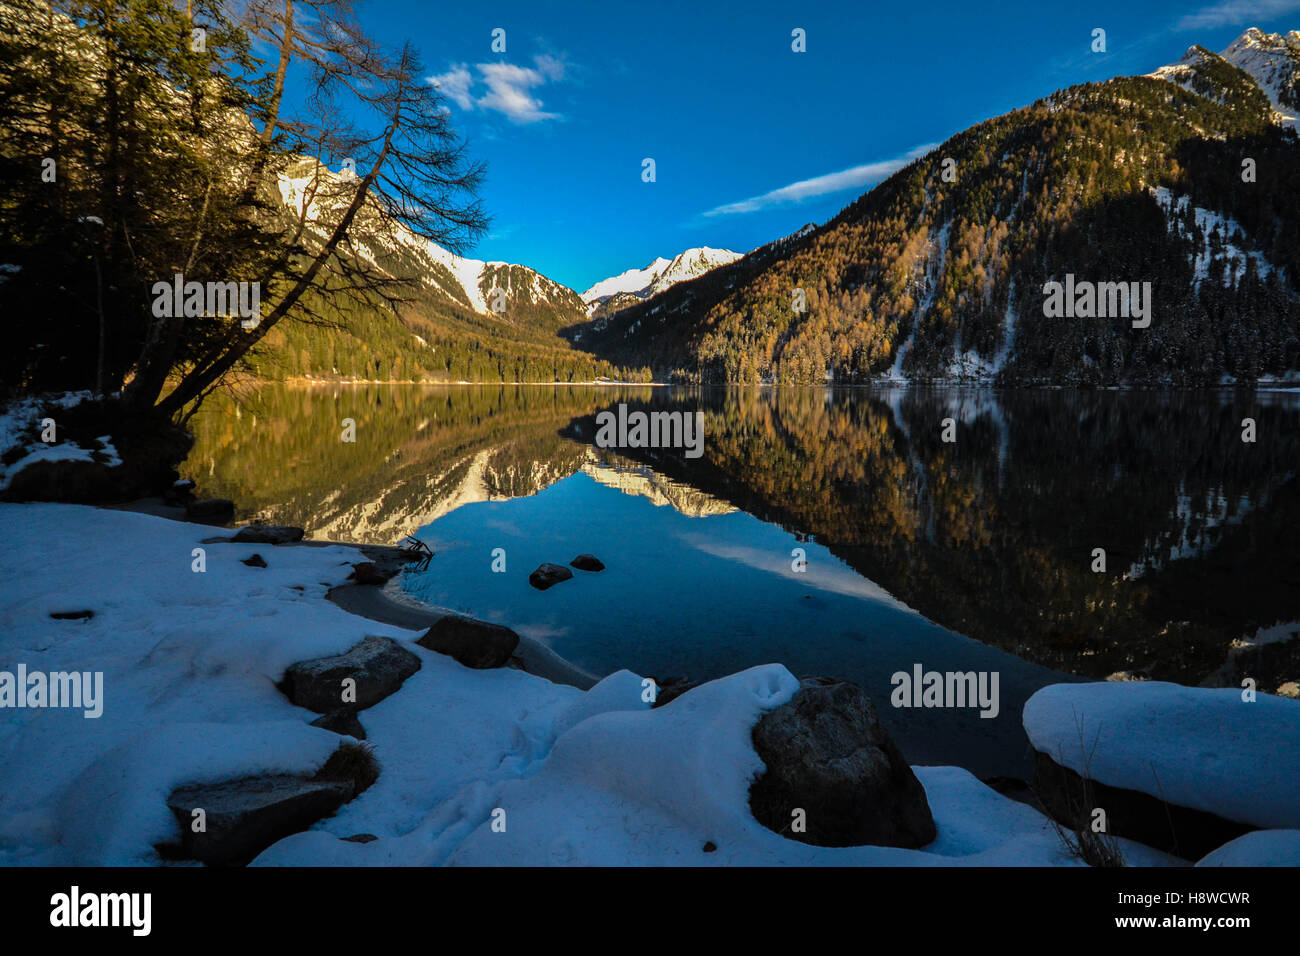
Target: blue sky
(750,139)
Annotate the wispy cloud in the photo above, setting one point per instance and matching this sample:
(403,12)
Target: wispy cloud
(1229,13)
(506,88)
(455,84)
(855,178)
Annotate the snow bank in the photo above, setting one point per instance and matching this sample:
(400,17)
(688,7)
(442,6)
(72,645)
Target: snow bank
(630,786)
(1259,848)
(1203,748)
(19,424)
(189,663)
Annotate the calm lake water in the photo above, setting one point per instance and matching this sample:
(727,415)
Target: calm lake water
(973,555)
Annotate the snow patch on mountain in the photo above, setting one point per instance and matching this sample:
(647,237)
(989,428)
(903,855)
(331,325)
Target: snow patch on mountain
(1214,236)
(936,256)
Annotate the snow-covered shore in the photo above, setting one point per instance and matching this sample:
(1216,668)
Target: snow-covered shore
(190,662)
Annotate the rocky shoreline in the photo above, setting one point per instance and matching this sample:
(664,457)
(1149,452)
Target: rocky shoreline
(825,754)
(826,775)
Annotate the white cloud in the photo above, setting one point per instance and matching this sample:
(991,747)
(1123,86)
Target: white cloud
(1233,12)
(508,87)
(854,178)
(455,84)
(508,91)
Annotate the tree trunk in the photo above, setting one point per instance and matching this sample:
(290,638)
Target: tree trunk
(194,384)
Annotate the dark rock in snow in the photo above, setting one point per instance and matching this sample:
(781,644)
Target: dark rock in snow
(267,534)
(354,764)
(342,721)
(180,492)
(670,688)
(217,511)
(368,572)
(827,754)
(588,562)
(1070,799)
(71,615)
(360,838)
(549,574)
(256,561)
(243,817)
(379,665)
(476,644)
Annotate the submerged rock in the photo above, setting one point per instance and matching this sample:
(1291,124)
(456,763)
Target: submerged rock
(473,643)
(588,562)
(378,665)
(547,575)
(243,817)
(267,534)
(827,754)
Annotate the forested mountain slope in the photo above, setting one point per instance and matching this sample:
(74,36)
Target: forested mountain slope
(1189,181)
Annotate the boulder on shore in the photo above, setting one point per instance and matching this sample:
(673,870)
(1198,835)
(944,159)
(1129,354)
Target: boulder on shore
(547,575)
(378,665)
(368,572)
(267,534)
(474,643)
(1070,800)
(1166,762)
(827,754)
(243,817)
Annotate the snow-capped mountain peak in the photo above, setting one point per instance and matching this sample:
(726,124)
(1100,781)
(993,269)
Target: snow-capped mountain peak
(318,194)
(657,276)
(1272,60)
(631,281)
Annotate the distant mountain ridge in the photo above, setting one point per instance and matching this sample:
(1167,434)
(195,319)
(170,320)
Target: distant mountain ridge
(467,319)
(636,285)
